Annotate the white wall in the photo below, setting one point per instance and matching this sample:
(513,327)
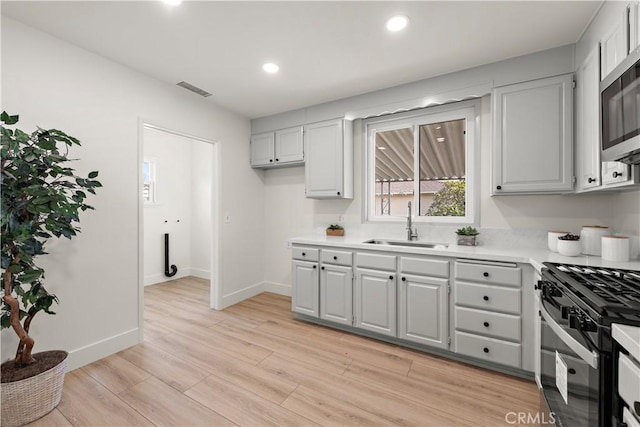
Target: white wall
(51,83)
(182,206)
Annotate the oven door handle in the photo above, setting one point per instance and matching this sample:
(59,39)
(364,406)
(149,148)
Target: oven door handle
(591,357)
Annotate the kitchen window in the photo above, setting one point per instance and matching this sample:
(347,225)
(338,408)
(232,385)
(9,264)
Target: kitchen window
(426,157)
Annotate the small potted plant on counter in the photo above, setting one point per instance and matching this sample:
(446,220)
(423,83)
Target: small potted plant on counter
(467,236)
(569,245)
(335,230)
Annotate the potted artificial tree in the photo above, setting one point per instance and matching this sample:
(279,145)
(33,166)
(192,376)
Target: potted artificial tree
(41,199)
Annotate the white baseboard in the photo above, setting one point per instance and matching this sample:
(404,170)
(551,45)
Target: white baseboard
(200,273)
(277,288)
(154,279)
(98,350)
(241,295)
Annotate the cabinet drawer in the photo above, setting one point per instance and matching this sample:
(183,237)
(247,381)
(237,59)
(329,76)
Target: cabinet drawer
(486,297)
(504,326)
(336,257)
(376,261)
(307,254)
(628,380)
(424,266)
(486,273)
(490,349)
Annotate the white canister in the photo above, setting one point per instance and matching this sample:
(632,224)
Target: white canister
(615,248)
(591,238)
(552,239)
(569,247)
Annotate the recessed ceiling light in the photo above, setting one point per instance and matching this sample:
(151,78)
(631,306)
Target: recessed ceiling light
(270,68)
(397,23)
(172,2)
(382,148)
(440,139)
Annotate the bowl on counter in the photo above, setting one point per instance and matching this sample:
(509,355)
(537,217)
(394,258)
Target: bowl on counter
(569,247)
(552,239)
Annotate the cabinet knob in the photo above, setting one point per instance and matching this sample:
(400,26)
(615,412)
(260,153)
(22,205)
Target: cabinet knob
(322,268)
(277,160)
(499,187)
(304,254)
(390,277)
(590,180)
(315,266)
(485,274)
(616,174)
(404,279)
(486,350)
(636,406)
(571,371)
(338,193)
(270,160)
(335,257)
(486,298)
(486,324)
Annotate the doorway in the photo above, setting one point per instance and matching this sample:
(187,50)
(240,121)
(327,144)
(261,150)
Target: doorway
(178,214)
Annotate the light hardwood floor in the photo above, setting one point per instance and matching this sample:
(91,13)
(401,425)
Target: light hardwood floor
(254,365)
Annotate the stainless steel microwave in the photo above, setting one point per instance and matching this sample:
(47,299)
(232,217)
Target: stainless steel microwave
(620,111)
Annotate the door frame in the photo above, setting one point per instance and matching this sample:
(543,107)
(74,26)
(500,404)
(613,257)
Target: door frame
(215,290)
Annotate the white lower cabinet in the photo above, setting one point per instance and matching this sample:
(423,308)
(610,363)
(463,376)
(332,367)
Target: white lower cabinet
(336,294)
(375,301)
(423,310)
(305,293)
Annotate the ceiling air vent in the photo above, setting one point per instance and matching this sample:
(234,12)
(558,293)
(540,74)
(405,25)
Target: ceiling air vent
(194,89)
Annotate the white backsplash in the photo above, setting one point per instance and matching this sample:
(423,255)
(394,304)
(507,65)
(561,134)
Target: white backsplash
(491,237)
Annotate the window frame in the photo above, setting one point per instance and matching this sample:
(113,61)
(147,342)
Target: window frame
(468,110)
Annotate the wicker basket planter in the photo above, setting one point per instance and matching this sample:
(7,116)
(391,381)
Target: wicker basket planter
(331,232)
(32,398)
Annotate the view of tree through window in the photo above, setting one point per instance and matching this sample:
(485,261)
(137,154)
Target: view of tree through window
(441,170)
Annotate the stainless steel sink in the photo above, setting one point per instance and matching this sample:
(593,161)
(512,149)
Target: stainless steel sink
(407,243)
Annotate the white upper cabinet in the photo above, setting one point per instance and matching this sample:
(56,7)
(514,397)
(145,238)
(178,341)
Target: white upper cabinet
(289,146)
(587,123)
(613,47)
(280,148)
(633,12)
(329,159)
(262,149)
(533,137)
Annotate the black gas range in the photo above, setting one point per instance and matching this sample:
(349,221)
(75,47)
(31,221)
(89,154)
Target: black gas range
(578,305)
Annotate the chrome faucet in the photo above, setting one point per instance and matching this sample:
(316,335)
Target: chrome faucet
(412,233)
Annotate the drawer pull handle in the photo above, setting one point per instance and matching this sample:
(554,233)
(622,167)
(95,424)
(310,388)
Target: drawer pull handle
(590,180)
(335,257)
(404,279)
(486,298)
(486,350)
(485,274)
(304,254)
(315,266)
(486,324)
(571,371)
(499,187)
(390,277)
(322,268)
(616,174)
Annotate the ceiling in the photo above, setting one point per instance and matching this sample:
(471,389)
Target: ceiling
(325,50)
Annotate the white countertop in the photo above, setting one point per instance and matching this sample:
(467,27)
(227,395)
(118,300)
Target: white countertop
(533,256)
(628,337)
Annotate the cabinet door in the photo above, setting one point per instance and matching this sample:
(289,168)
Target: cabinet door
(262,149)
(375,301)
(532,141)
(336,294)
(613,47)
(288,146)
(615,172)
(324,167)
(587,123)
(634,25)
(305,293)
(422,310)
